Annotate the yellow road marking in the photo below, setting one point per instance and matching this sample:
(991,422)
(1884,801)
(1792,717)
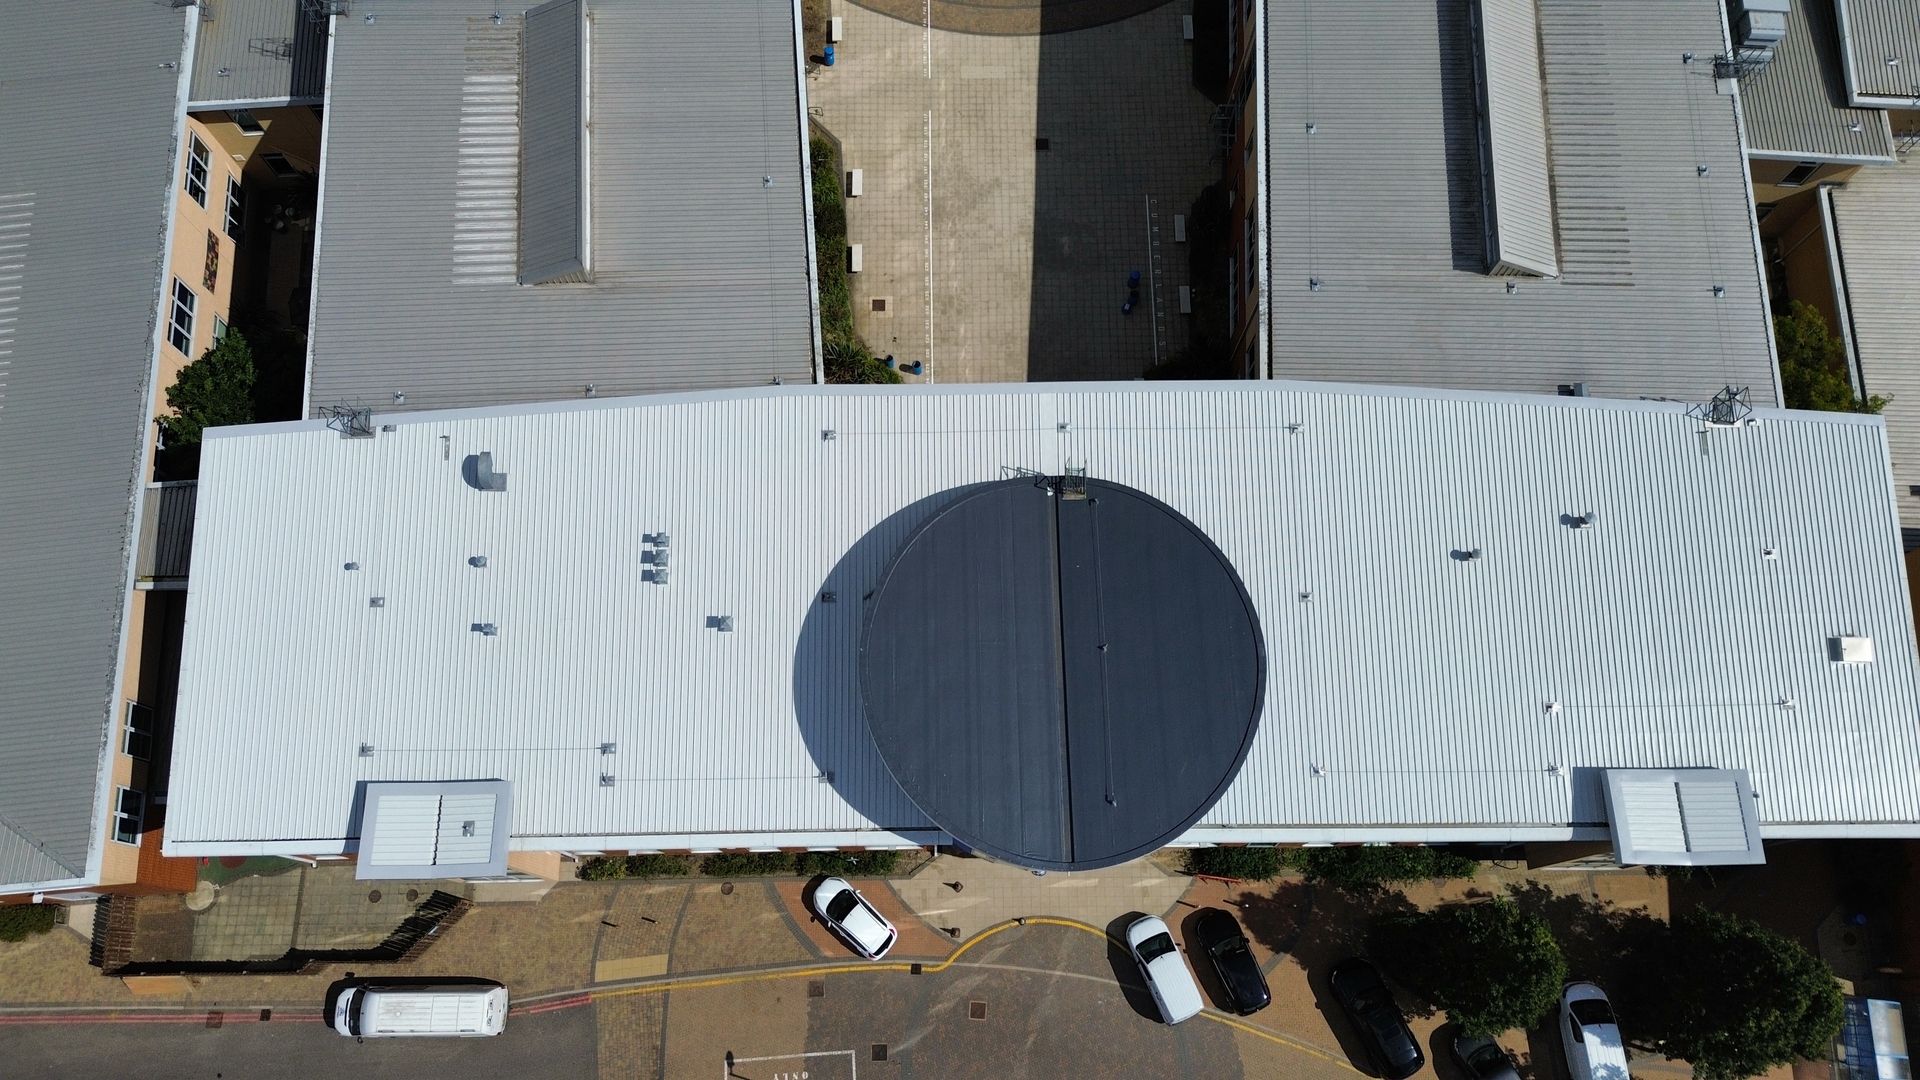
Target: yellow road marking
(1276,1037)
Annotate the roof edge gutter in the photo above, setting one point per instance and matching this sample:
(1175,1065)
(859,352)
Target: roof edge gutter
(1842,302)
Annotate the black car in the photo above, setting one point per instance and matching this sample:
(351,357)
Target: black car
(1378,1021)
(1233,961)
(1483,1059)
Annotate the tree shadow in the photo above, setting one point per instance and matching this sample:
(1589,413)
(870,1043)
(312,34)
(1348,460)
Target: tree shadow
(1621,949)
(1316,927)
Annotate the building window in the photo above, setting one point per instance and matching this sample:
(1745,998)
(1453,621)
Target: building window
(236,206)
(129,815)
(278,162)
(1801,172)
(211,277)
(197,166)
(137,740)
(180,324)
(219,329)
(248,124)
(1253,269)
(1233,306)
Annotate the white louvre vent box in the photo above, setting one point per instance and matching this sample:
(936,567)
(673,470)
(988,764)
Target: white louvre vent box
(856,182)
(1682,817)
(1850,649)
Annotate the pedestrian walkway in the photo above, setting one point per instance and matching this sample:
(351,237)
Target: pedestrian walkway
(992,892)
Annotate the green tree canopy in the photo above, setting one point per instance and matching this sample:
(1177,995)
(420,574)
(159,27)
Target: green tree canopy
(213,391)
(1491,965)
(1741,999)
(1813,365)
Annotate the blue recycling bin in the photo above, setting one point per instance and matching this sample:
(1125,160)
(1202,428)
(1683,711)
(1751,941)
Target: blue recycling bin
(826,56)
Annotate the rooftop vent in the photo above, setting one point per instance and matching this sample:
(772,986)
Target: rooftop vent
(1848,649)
(479,471)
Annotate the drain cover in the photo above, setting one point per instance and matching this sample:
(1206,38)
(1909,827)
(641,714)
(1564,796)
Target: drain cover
(976,1010)
(726,888)
(879,1051)
(373,896)
(879,303)
(412,895)
(1043,144)
(816,988)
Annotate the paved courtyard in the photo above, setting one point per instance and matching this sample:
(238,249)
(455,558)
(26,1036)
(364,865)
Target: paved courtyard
(665,978)
(1012,182)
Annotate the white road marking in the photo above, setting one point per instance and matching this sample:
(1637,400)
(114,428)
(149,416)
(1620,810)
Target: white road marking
(853,1064)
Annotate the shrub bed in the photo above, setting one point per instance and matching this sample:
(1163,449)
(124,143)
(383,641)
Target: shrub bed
(19,920)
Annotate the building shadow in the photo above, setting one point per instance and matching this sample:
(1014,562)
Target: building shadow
(1124,139)
(827,701)
(1460,125)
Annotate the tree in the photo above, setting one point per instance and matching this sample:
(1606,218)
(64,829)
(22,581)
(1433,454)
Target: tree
(1492,966)
(1740,999)
(213,391)
(1813,365)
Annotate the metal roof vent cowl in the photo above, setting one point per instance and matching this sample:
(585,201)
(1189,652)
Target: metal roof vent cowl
(479,472)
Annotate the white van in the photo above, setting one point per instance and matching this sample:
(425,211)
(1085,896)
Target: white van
(1166,972)
(465,1010)
(1595,1050)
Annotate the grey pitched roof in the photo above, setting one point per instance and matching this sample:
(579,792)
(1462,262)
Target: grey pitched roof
(1881,39)
(700,242)
(1879,244)
(85,191)
(1796,107)
(259,52)
(1381,205)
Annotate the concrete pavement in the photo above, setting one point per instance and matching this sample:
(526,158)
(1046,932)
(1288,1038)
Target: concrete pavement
(993,892)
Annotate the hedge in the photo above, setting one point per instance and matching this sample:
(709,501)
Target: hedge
(19,920)
(742,864)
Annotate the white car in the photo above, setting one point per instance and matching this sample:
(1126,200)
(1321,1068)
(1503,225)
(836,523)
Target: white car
(1591,1035)
(1165,970)
(848,915)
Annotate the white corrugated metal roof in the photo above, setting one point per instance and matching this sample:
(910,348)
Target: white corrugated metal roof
(699,236)
(1881,39)
(1878,238)
(1375,218)
(1683,817)
(1414,694)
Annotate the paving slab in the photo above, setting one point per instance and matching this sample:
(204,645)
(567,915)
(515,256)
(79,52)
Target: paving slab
(1012,183)
(917,939)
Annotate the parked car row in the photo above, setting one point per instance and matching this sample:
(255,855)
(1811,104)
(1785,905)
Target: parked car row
(1589,1033)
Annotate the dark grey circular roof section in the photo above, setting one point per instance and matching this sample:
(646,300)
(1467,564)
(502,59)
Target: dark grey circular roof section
(1063,673)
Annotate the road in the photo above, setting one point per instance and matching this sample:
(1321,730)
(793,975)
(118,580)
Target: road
(1034,1001)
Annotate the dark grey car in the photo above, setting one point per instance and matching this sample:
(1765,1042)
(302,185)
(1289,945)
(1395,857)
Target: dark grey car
(1483,1059)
